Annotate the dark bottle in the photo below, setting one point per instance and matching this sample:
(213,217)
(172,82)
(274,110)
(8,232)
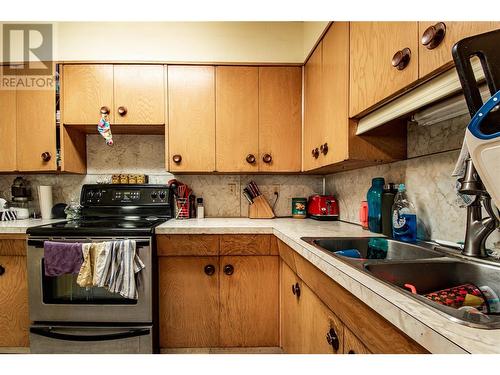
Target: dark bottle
(388,195)
(374,198)
(192,206)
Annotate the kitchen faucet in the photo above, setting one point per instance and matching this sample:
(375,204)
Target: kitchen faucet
(478,228)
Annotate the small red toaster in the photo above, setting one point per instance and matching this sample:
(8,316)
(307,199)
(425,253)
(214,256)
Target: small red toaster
(323,207)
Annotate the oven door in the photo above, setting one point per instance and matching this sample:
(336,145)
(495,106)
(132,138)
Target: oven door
(60,299)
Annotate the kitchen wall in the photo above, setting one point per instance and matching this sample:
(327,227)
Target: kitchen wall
(273,42)
(432,153)
(222,193)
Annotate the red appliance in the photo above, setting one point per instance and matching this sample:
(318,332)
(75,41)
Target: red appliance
(323,207)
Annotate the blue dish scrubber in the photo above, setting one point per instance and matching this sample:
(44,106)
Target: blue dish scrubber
(349,253)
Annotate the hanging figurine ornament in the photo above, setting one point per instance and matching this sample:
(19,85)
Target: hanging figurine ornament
(104,127)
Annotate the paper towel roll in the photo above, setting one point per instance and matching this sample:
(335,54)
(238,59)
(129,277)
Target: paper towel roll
(45,201)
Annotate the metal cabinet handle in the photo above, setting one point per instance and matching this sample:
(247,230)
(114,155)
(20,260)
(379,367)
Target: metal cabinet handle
(46,156)
(296,289)
(122,111)
(228,269)
(209,269)
(251,159)
(105,110)
(2,270)
(267,158)
(351,352)
(333,339)
(315,153)
(434,35)
(324,148)
(401,59)
(177,158)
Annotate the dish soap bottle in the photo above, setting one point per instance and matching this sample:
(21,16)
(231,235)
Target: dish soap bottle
(404,218)
(374,198)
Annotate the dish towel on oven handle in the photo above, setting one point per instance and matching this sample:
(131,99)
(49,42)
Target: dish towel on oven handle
(116,266)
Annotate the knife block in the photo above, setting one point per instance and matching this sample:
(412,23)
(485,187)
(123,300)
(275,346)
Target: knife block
(260,209)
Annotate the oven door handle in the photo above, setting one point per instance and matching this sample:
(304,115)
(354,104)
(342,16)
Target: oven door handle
(48,332)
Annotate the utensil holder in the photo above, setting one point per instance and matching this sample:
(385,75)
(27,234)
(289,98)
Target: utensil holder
(260,209)
(182,208)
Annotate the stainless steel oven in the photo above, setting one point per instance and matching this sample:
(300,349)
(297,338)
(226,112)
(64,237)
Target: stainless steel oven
(60,299)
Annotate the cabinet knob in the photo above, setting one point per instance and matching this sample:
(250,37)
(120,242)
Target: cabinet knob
(296,289)
(209,269)
(434,35)
(251,159)
(122,111)
(267,158)
(401,59)
(228,269)
(333,339)
(351,352)
(105,110)
(46,156)
(324,148)
(315,153)
(2,270)
(177,158)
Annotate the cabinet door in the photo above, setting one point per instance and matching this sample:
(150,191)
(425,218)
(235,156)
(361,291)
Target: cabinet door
(372,75)
(335,72)
(139,90)
(319,323)
(432,59)
(313,107)
(291,319)
(8,130)
(189,302)
(353,345)
(191,124)
(14,316)
(280,94)
(85,89)
(237,118)
(36,130)
(249,301)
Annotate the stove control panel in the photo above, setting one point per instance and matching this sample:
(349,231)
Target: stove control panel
(125,195)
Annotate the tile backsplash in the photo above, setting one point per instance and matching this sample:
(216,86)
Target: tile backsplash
(221,193)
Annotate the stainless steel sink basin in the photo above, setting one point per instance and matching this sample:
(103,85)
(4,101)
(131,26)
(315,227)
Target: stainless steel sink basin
(379,248)
(425,266)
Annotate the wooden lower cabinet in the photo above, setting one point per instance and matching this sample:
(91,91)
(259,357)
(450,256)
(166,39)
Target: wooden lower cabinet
(249,311)
(353,345)
(189,302)
(227,301)
(308,326)
(14,314)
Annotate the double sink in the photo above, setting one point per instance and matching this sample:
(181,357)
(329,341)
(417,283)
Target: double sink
(427,267)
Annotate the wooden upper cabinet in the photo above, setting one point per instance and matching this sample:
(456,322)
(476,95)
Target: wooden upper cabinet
(191,118)
(8,130)
(237,118)
(36,130)
(435,58)
(85,89)
(372,48)
(280,122)
(139,94)
(335,76)
(313,107)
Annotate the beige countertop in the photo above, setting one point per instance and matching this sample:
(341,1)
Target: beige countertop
(425,325)
(20,226)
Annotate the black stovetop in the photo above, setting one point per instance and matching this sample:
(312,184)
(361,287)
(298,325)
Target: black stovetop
(115,210)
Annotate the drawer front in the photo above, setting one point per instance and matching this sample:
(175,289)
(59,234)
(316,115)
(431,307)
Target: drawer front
(188,245)
(246,244)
